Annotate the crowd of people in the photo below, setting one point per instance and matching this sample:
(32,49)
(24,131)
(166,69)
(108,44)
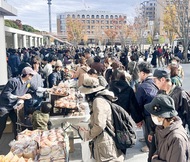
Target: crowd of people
(154,98)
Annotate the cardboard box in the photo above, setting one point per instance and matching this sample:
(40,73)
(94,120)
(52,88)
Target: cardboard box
(9,127)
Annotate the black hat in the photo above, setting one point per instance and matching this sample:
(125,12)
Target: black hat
(162,106)
(161,73)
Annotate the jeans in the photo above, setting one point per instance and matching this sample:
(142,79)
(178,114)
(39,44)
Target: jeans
(3,120)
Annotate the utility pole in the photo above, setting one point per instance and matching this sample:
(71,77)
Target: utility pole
(49,5)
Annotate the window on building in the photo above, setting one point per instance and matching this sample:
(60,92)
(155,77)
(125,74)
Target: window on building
(102,27)
(120,16)
(78,16)
(88,16)
(116,16)
(102,16)
(97,16)
(92,27)
(83,21)
(107,22)
(88,32)
(92,32)
(102,21)
(97,21)
(92,21)
(111,16)
(88,27)
(92,16)
(68,15)
(73,16)
(107,17)
(83,16)
(88,21)
(107,27)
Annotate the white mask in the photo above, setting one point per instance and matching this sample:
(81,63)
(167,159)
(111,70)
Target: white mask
(155,120)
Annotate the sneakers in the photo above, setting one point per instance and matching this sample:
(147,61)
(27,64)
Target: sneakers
(145,149)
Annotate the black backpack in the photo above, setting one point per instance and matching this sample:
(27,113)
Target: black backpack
(124,135)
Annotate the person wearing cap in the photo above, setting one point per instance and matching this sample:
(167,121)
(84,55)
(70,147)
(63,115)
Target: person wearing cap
(36,85)
(14,90)
(55,77)
(180,96)
(145,92)
(171,137)
(101,116)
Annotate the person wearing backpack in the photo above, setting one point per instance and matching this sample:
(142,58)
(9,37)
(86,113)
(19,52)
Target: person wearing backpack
(126,96)
(171,137)
(103,145)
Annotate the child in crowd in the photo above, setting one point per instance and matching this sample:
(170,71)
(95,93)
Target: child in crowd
(40,118)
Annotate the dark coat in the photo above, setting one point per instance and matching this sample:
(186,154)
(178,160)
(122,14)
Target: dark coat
(14,62)
(54,79)
(126,99)
(154,58)
(181,99)
(146,91)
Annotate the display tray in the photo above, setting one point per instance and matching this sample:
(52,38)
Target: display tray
(57,120)
(62,111)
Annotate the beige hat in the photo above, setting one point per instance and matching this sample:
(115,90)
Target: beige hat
(59,63)
(90,85)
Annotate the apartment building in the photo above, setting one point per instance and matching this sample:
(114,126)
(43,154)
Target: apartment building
(94,22)
(148,9)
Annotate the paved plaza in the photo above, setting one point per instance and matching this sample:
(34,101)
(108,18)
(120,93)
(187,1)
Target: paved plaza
(133,155)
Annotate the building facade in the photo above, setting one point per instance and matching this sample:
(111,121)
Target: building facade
(148,9)
(94,22)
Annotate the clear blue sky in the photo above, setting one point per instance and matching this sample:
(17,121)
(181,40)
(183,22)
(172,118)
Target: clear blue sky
(35,12)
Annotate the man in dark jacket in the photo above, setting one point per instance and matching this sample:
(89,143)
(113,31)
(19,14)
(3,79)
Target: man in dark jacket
(14,90)
(146,91)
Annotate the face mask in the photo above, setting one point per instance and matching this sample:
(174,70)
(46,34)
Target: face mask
(155,120)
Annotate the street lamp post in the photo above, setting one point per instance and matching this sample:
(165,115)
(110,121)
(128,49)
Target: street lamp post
(49,5)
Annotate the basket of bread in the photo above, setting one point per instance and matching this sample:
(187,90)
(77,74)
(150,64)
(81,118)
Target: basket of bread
(41,146)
